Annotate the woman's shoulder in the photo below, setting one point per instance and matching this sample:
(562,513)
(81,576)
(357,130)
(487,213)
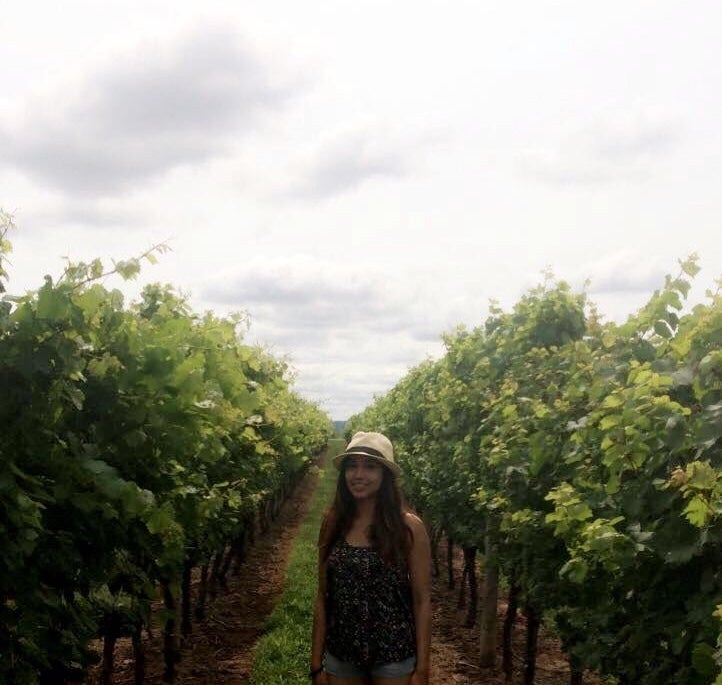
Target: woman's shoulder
(413,521)
(419,547)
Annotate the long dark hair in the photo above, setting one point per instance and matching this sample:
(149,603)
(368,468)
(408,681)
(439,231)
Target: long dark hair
(389,534)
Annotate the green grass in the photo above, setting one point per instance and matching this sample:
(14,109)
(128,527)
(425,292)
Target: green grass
(283,653)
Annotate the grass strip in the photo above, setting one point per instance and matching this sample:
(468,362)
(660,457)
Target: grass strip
(282,654)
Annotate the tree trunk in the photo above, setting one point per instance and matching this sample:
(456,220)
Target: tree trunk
(109,639)
(450,561)
(138,656)
(216,566)
(470,567)
(200,611)
(576,678)
(186,625)
(216,572)
(435,537)
(171,652)
(532,638)
(265,522)
(487,651)
(509,621)
(462,589)
(239,546)
(226,563)
(275,505)
(252,529)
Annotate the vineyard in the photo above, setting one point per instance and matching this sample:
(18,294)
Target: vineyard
(138,442)
(577,461)
(583,461)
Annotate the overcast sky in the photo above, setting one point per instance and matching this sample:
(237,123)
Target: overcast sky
(361,176)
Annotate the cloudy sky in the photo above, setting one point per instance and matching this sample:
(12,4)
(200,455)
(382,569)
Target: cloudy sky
(359,176)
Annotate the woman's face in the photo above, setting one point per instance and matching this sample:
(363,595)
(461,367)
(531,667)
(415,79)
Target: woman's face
(363,476)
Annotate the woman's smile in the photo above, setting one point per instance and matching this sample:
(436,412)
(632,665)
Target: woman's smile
(363,475)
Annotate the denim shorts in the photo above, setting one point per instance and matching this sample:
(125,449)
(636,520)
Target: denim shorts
(344,669)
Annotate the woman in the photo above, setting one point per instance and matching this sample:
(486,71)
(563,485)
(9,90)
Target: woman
(372,619)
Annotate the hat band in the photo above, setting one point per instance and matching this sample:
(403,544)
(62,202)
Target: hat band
(366,450)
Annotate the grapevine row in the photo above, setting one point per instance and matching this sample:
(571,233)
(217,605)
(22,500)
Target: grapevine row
(137,442)
(584,460)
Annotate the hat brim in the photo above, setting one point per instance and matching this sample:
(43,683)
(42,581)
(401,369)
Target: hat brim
(390,465)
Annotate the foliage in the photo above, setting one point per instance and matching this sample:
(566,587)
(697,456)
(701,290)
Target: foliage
(594,451)
(134,438)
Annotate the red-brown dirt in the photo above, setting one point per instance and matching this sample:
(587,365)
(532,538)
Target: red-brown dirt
(220,650)
(454,649)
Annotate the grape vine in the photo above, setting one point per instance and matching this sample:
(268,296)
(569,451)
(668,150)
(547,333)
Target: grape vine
(138,441)
(585,459)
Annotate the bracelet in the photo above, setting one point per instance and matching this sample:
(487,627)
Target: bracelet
(314,672)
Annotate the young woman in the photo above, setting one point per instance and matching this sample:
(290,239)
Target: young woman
(372,619)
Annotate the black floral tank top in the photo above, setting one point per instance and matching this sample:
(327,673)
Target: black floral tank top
(369,615)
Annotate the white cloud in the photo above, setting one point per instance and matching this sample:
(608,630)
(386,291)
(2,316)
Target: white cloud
(624,271)
(293,297)
(351,331)
(617,145)
(344,161)
(143,113)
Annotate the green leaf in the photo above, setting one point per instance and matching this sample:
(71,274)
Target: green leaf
(662,329)
(703,659)
(575,569)
(135,438)
(98,466)
(607,442)
(610,421)
(697,512)
(612,401)
(128,269)
(701,475)
(52,304)
(161,520)
(689,266)
(75,395)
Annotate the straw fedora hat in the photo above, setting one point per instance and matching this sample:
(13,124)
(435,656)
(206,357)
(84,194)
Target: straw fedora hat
(374,445)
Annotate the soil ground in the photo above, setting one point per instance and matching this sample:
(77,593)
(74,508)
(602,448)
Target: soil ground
(220,650)
(454,648)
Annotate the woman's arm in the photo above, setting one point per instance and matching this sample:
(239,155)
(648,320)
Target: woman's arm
(420,575)
(318,638)
(319,632)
